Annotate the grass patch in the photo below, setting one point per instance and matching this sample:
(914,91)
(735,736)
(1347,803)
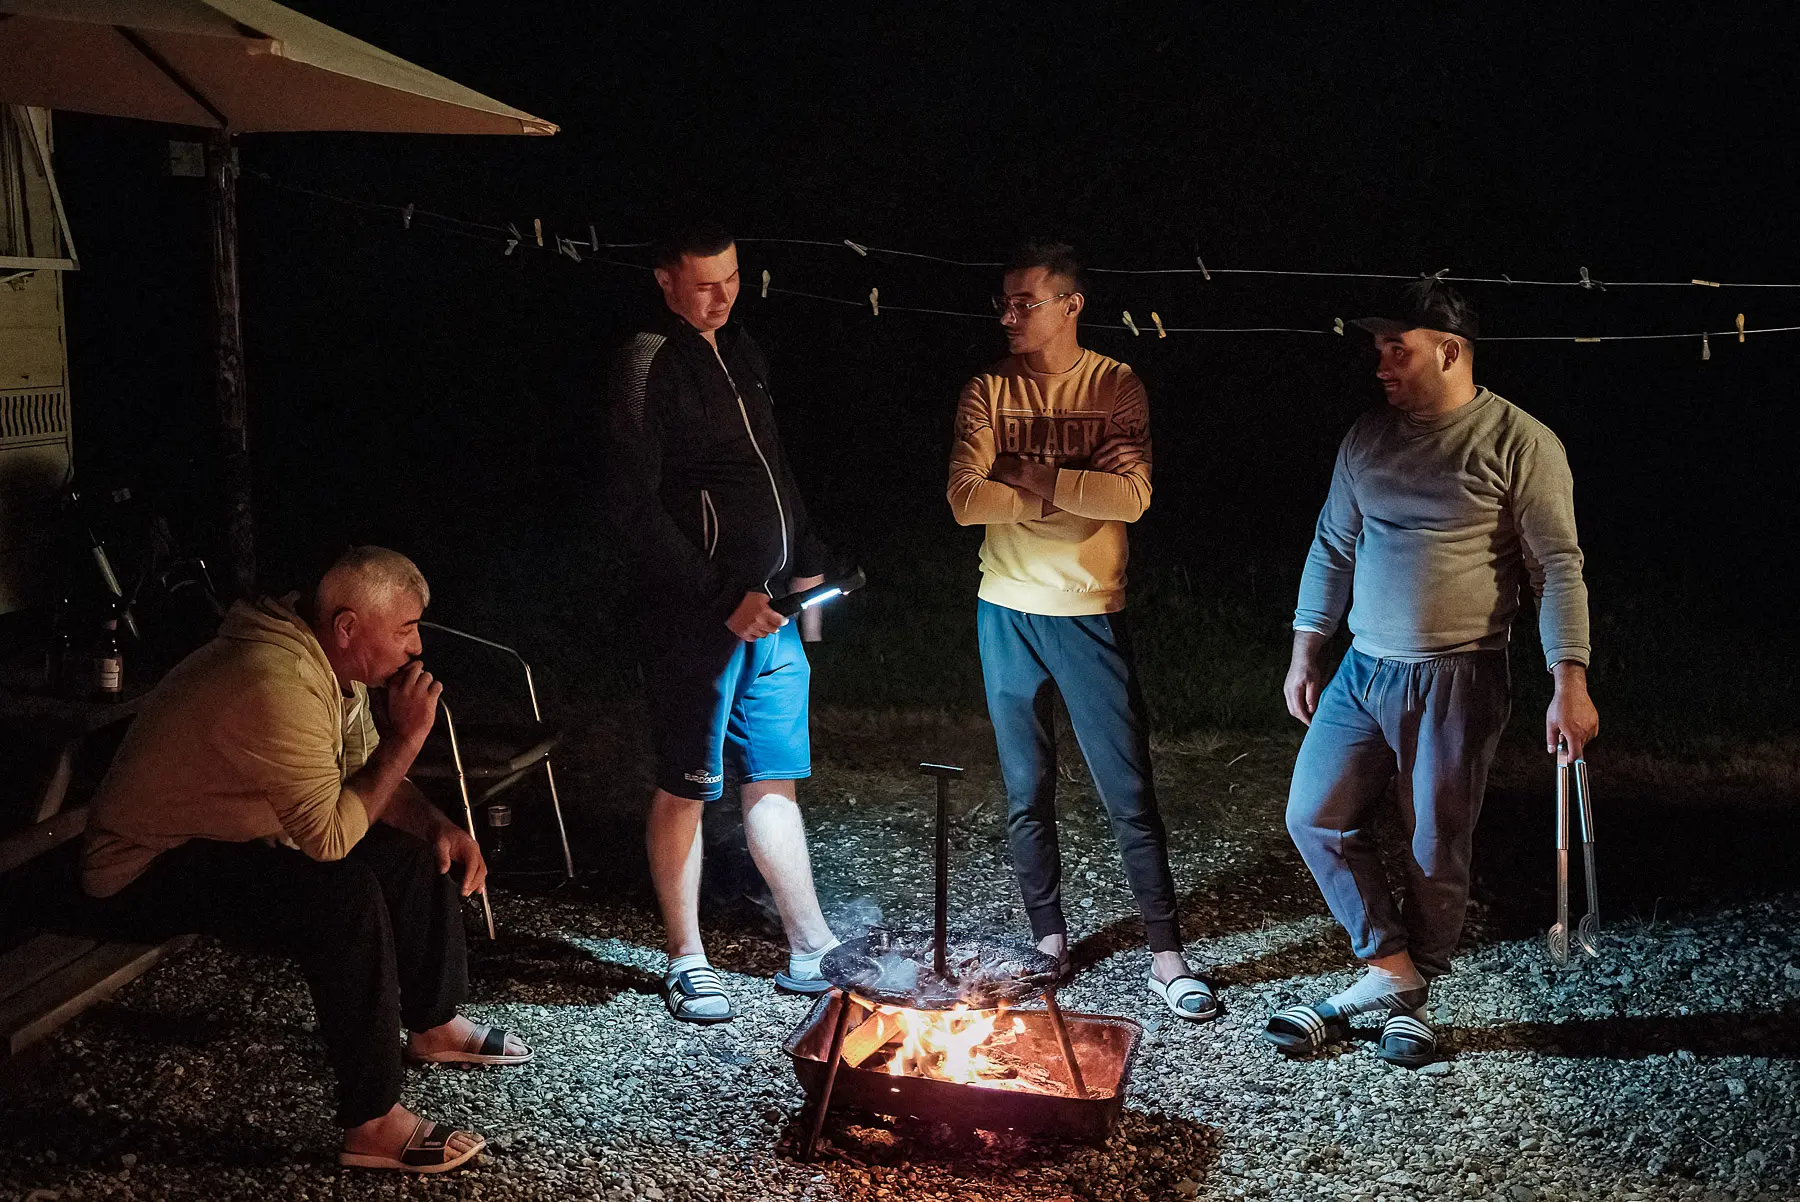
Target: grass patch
(1683,709)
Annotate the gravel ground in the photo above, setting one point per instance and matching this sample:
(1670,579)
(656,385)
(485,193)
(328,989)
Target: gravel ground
(1667,1068)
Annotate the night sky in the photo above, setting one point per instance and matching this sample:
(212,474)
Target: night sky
(424,390)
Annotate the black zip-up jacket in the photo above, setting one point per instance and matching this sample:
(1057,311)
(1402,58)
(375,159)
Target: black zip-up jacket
(698,486)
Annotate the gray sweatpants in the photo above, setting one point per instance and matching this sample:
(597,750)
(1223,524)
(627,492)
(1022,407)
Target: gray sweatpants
(1432,727)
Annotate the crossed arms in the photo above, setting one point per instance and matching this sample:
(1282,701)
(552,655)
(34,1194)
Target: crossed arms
(990,487)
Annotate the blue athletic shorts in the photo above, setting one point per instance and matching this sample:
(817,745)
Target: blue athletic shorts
(712,695)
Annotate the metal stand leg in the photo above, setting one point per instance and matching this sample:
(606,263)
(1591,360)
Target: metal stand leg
(562,832)
(1062,1038)
(462,786)
(940,927)
(832,1060)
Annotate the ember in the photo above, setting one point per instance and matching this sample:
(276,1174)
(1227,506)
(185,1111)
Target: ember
(969,1047)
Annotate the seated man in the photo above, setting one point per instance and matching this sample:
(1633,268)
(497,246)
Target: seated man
(253,801)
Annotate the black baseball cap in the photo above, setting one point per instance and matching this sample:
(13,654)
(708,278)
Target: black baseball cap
(1427,304)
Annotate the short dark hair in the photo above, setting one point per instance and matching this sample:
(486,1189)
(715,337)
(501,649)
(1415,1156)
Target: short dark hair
(1058,258)
(697,236)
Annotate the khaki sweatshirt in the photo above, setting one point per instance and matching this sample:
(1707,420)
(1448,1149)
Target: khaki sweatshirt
(1431,527)
(247,738)
(1065,557)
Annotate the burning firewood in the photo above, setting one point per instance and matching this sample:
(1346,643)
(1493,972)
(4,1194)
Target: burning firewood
(871,1035)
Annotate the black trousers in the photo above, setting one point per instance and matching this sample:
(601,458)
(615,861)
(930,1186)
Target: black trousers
(377,934)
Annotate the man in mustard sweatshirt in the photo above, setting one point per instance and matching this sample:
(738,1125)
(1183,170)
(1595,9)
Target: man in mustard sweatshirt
(253,801)
(1052,455)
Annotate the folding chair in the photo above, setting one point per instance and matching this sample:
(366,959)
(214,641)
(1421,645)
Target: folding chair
(495,756)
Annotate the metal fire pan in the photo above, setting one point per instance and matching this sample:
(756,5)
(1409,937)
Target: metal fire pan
(1105,1046)
(894,968)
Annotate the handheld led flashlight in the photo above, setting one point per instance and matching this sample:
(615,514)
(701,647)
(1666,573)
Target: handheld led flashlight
(835,587)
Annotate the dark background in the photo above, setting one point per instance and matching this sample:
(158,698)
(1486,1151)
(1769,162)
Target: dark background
(423,390)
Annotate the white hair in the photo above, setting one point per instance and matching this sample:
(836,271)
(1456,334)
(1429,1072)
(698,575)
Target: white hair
(369,577)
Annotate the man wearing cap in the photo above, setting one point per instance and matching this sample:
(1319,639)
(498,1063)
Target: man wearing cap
(1440,506)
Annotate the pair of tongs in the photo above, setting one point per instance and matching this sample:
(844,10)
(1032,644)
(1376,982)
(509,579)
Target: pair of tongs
(1572,781)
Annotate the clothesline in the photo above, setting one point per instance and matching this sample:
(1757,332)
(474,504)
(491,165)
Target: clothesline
(511,238)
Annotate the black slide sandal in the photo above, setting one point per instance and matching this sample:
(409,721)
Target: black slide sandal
(1302,1030)
(682,989)
(427,1150)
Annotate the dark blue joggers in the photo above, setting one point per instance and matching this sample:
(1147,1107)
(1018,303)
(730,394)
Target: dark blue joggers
(1089,661)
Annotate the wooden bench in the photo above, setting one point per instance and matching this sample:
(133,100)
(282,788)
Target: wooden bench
(51,977)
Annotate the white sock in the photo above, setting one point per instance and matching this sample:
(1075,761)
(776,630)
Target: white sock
(1377,989)
(804,965)
(683,963)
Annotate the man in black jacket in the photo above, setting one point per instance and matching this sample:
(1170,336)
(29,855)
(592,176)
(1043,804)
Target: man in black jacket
(702,497)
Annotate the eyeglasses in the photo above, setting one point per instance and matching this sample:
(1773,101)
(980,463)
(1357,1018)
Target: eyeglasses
(1004,305)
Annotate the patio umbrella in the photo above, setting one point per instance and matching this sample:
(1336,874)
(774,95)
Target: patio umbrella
(231,66)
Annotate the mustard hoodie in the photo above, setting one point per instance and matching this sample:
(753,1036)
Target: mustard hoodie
(245,739)
(1065,557)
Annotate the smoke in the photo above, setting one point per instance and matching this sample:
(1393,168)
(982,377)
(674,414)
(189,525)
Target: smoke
(855,918)
(897,974)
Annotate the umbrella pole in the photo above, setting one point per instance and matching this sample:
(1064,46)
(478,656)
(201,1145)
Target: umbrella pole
(230,394)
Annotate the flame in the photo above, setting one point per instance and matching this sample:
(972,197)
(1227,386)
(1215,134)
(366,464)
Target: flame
(954,1046)
(944,1044)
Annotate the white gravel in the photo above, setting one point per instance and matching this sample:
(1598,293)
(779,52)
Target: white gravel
(1665,1069)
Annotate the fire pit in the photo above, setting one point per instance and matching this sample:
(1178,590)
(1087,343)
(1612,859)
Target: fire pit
(1015,1070)
(931,1025)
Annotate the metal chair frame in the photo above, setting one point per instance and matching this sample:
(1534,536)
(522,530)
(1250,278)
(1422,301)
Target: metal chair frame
(462,780)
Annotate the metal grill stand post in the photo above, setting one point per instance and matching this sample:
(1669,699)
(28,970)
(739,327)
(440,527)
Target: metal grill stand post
(1062,1039)
(940,932)
(833,1058)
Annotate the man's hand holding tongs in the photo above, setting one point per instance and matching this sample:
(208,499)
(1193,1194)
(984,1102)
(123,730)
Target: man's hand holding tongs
(1571,722)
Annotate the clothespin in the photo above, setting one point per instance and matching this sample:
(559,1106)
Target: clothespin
(1740,326)
(1337,326)
(1130,324)
(1156,320)
(537,227)
(566,246)
(512,243)
(1506,277)
(406,217)
(1204,274)
(1705,283)
(765,290)
(1588,281)
(1705,347)
(875,300)
(857,247)
(593,239)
